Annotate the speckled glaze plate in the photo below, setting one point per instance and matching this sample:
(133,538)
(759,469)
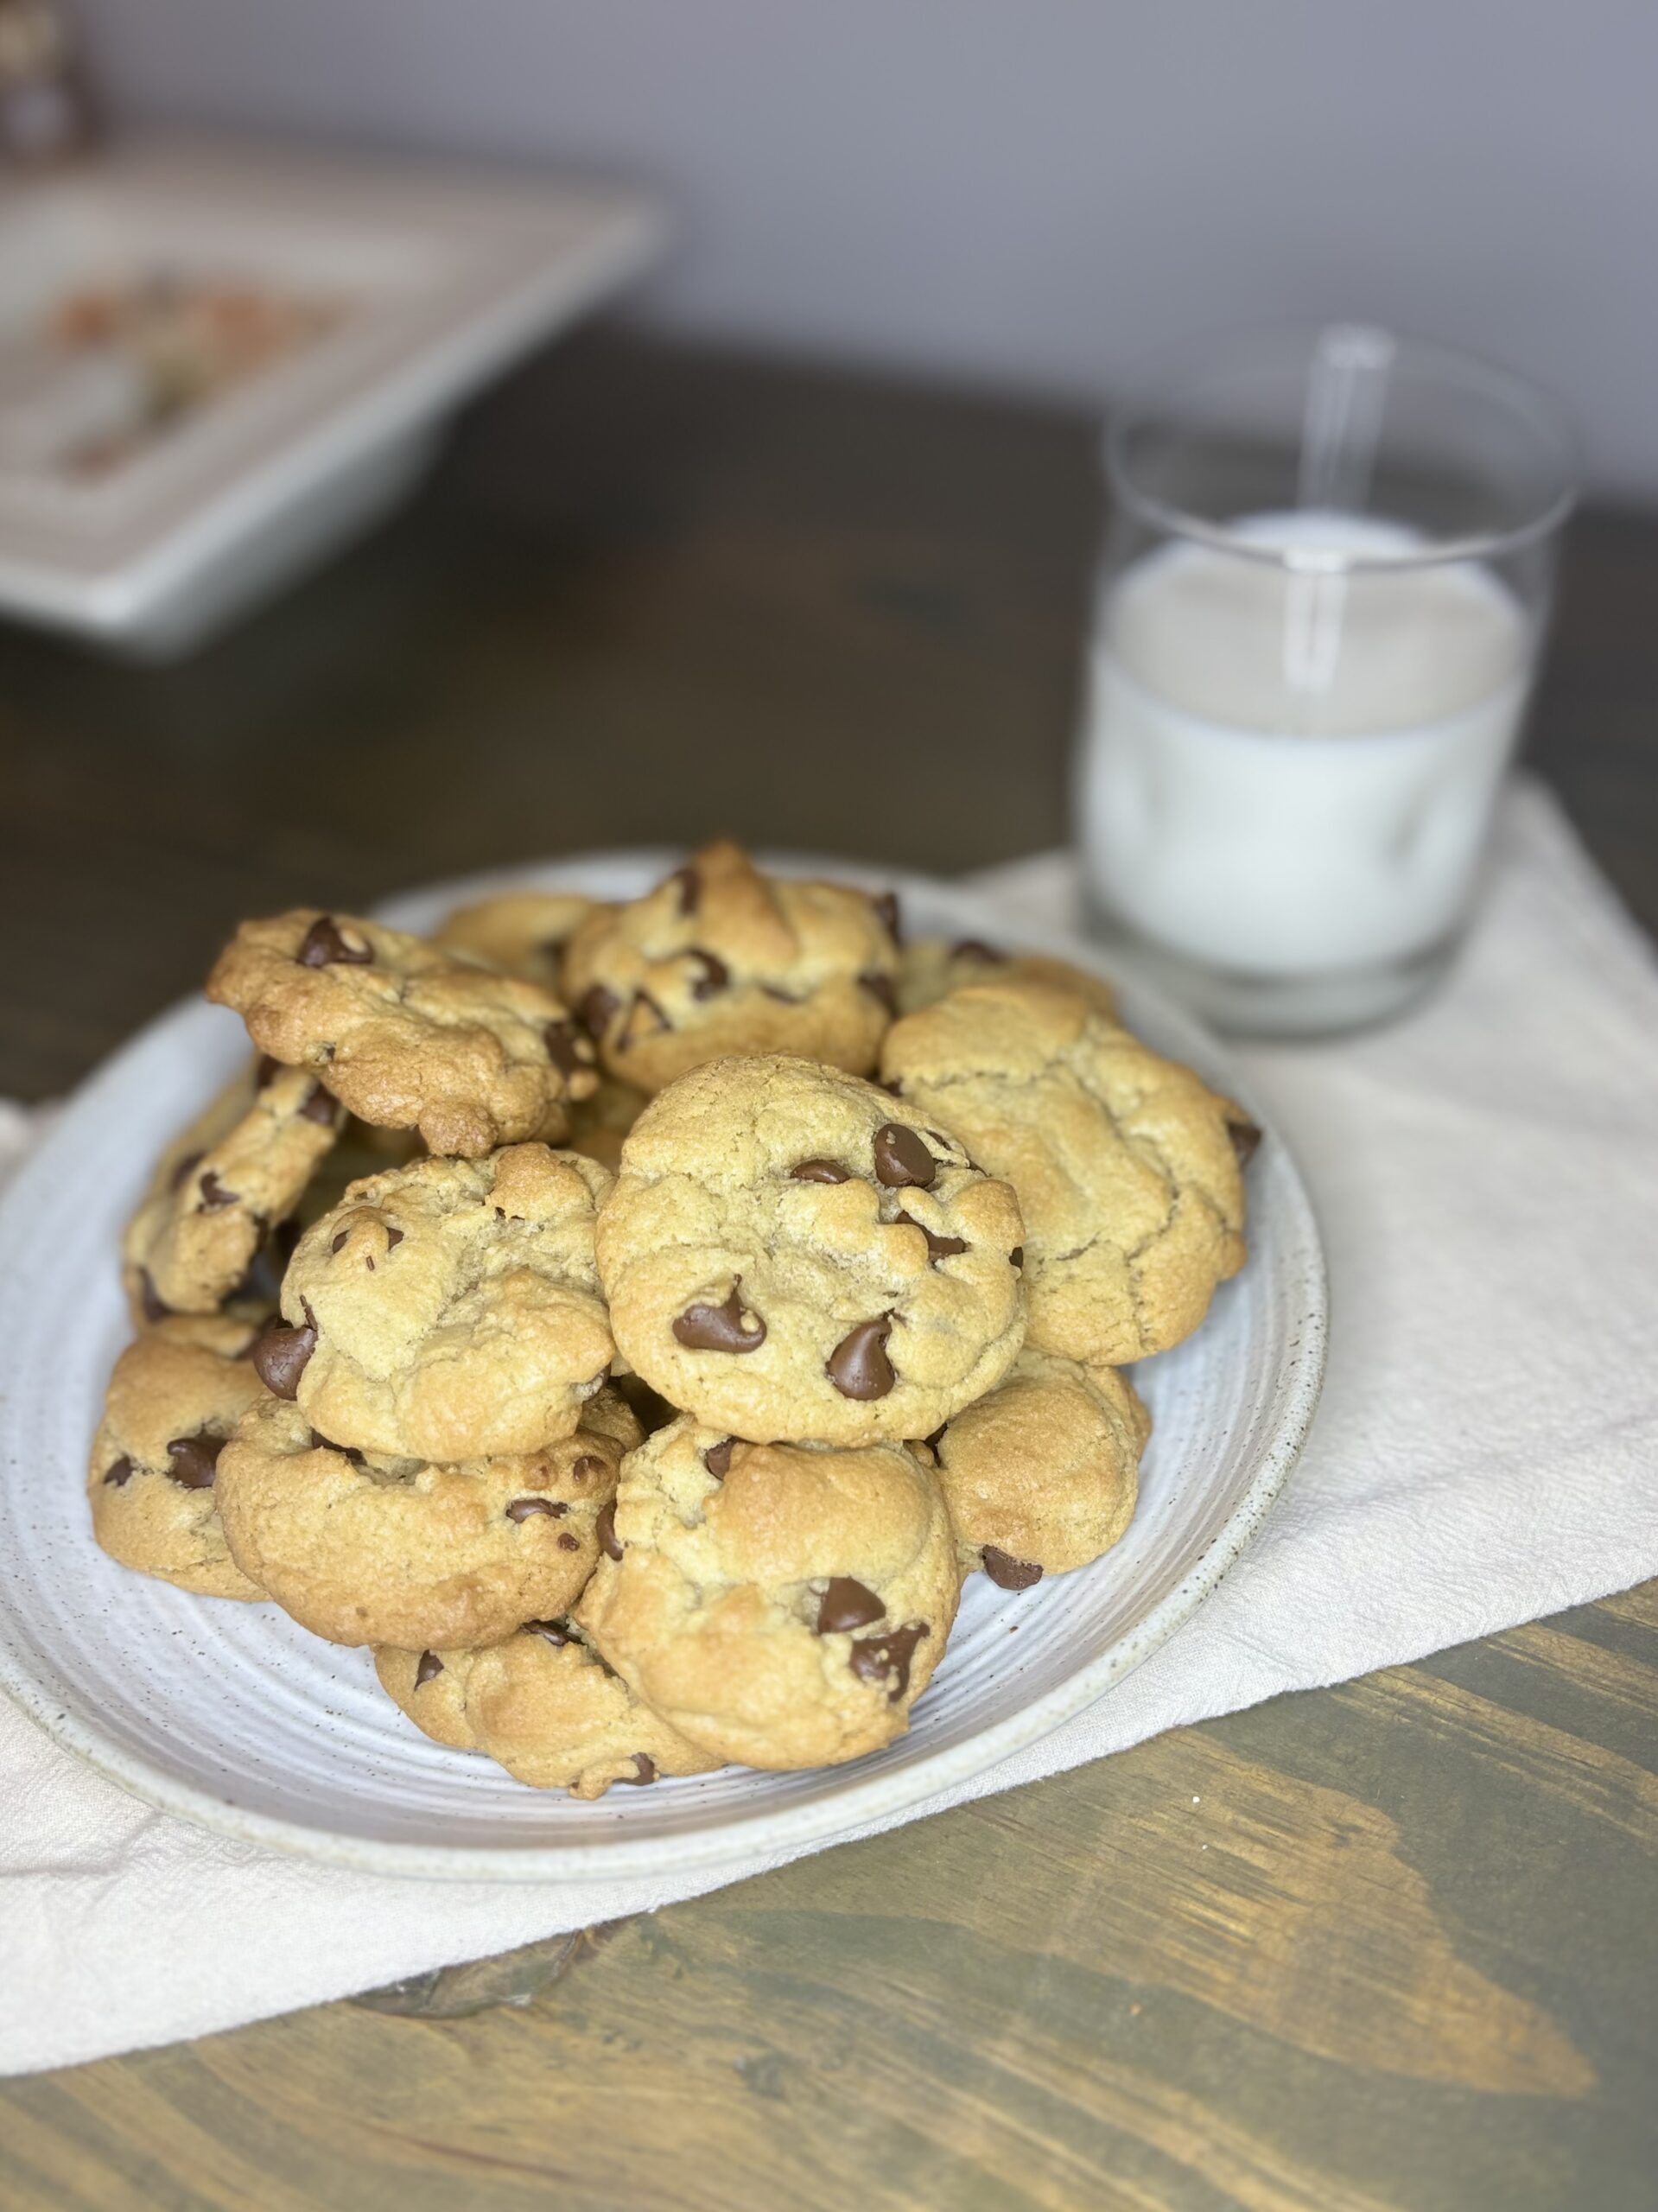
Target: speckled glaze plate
(232,1716)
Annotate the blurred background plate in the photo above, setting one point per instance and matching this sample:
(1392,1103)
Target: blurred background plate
(232,1716)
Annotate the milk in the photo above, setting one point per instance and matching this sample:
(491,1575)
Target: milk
(1288,767)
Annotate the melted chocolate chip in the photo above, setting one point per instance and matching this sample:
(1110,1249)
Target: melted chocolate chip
(340,1241)
(902,1158)
(717,1458)
(605,1529)
(1008,1573)
(721,1328)
(154,1309)
(690,886)
(820,1171)
(194,1459)
(973,947)
(326,946)
(588,1463)
(1246,1140)
(319,1107)
(938,1248)
(874,1657)
(393,1239)
(645,1769)
(429,1669)
(715,975)
(520,1508)
(1016,1257)
(847,1605)
(120,1472)
(882,988)
(885,905)
(279,1355)
(186,1167)
(598,1009)
(568,1543)
(567,1048)
(549,1632)
(858,1366)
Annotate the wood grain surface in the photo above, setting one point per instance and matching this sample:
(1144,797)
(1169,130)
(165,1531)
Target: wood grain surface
(1391,1945)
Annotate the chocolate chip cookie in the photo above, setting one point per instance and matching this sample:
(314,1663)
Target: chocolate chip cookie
(779,1605)
(521,932)
(544,1706)
(448,1310)
(406,1035)
(220,1189)
(720,958)
(170,1405)
(362,1547)
(932,968)
(1127,1165)
(789,1252)
(1041,1474)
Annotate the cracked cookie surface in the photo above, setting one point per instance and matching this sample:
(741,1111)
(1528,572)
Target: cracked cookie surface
(449,1309)
(405,1034)
(152,1480)
(789,1252)
(363,1547)
(238,1171)
(1041,1474)
(1127,1165)
(544,1706)
(720,958)
(779,1605)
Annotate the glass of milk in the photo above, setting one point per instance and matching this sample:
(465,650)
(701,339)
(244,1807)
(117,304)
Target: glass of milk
(1326,581)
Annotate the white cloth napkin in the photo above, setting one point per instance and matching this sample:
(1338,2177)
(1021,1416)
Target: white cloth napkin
(1487,1177)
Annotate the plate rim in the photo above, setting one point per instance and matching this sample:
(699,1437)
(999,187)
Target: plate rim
(882,1798)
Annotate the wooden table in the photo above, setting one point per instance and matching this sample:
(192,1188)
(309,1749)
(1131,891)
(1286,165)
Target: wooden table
(1390,1945)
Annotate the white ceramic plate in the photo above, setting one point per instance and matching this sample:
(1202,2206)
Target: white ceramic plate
(233,1717)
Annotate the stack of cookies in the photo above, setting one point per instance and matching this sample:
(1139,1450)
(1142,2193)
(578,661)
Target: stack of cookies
(634,1321)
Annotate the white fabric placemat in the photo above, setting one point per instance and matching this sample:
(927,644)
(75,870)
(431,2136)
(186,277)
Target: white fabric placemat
(1487,1177)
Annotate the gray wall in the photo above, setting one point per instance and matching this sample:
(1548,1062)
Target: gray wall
(1032,190)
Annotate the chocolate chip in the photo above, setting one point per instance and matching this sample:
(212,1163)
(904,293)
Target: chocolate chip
(690,886)
(938,1248)
(605,1529)
(429,1669)
(1246,1140)
(715,975)
(520,1508)
(717,1458)
(120,1472)
(882,988)
(645,1769)
(568,1543)
(847,1605)
(154,1309)
(393,1239)
(874,1657)
(186,1167)
(549,1632)
(1008,1573)
(319,1107)
(194,1460)
(1016,1257)
(598,1009)
(588,1463)
(858,1366)
(902,1158)
(267,1071)
(885,905)
(326,946)
(279,1355)
(721,1328)
(973,947)
(567,1048)
(782,998)
(821,1171)
(340,1239)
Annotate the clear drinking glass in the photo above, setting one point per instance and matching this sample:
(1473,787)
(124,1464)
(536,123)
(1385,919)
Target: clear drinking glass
(1325,586)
